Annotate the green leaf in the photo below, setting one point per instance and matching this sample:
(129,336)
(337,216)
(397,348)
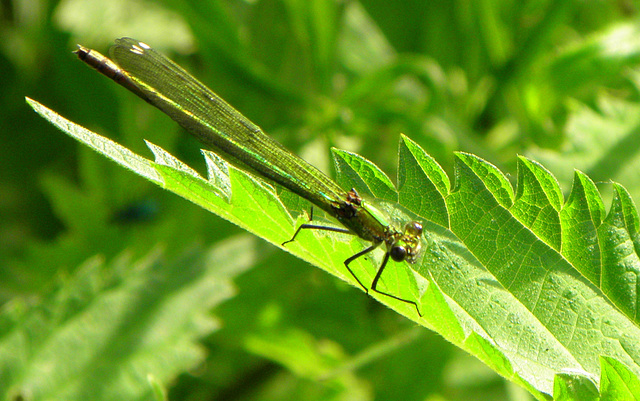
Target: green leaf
(516,278)
(620,245)
(618,382)
(122,329)
(357,172)
(601,141)
(580,217)
(596,59)
(569,387)
(538,201)
(309,358)
(414,165)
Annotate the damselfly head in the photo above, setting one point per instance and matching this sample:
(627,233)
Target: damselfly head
(407,244)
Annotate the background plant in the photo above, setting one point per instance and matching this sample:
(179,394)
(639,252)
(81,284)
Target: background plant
(555,82)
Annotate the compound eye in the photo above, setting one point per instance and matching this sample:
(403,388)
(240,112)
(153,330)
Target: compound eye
(398,253)
(414,228)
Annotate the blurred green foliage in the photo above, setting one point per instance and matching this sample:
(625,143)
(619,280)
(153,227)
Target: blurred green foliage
(557,81)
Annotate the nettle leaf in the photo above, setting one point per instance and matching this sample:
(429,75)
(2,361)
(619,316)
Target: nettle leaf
(354,171)
(542,290)
(121,329)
